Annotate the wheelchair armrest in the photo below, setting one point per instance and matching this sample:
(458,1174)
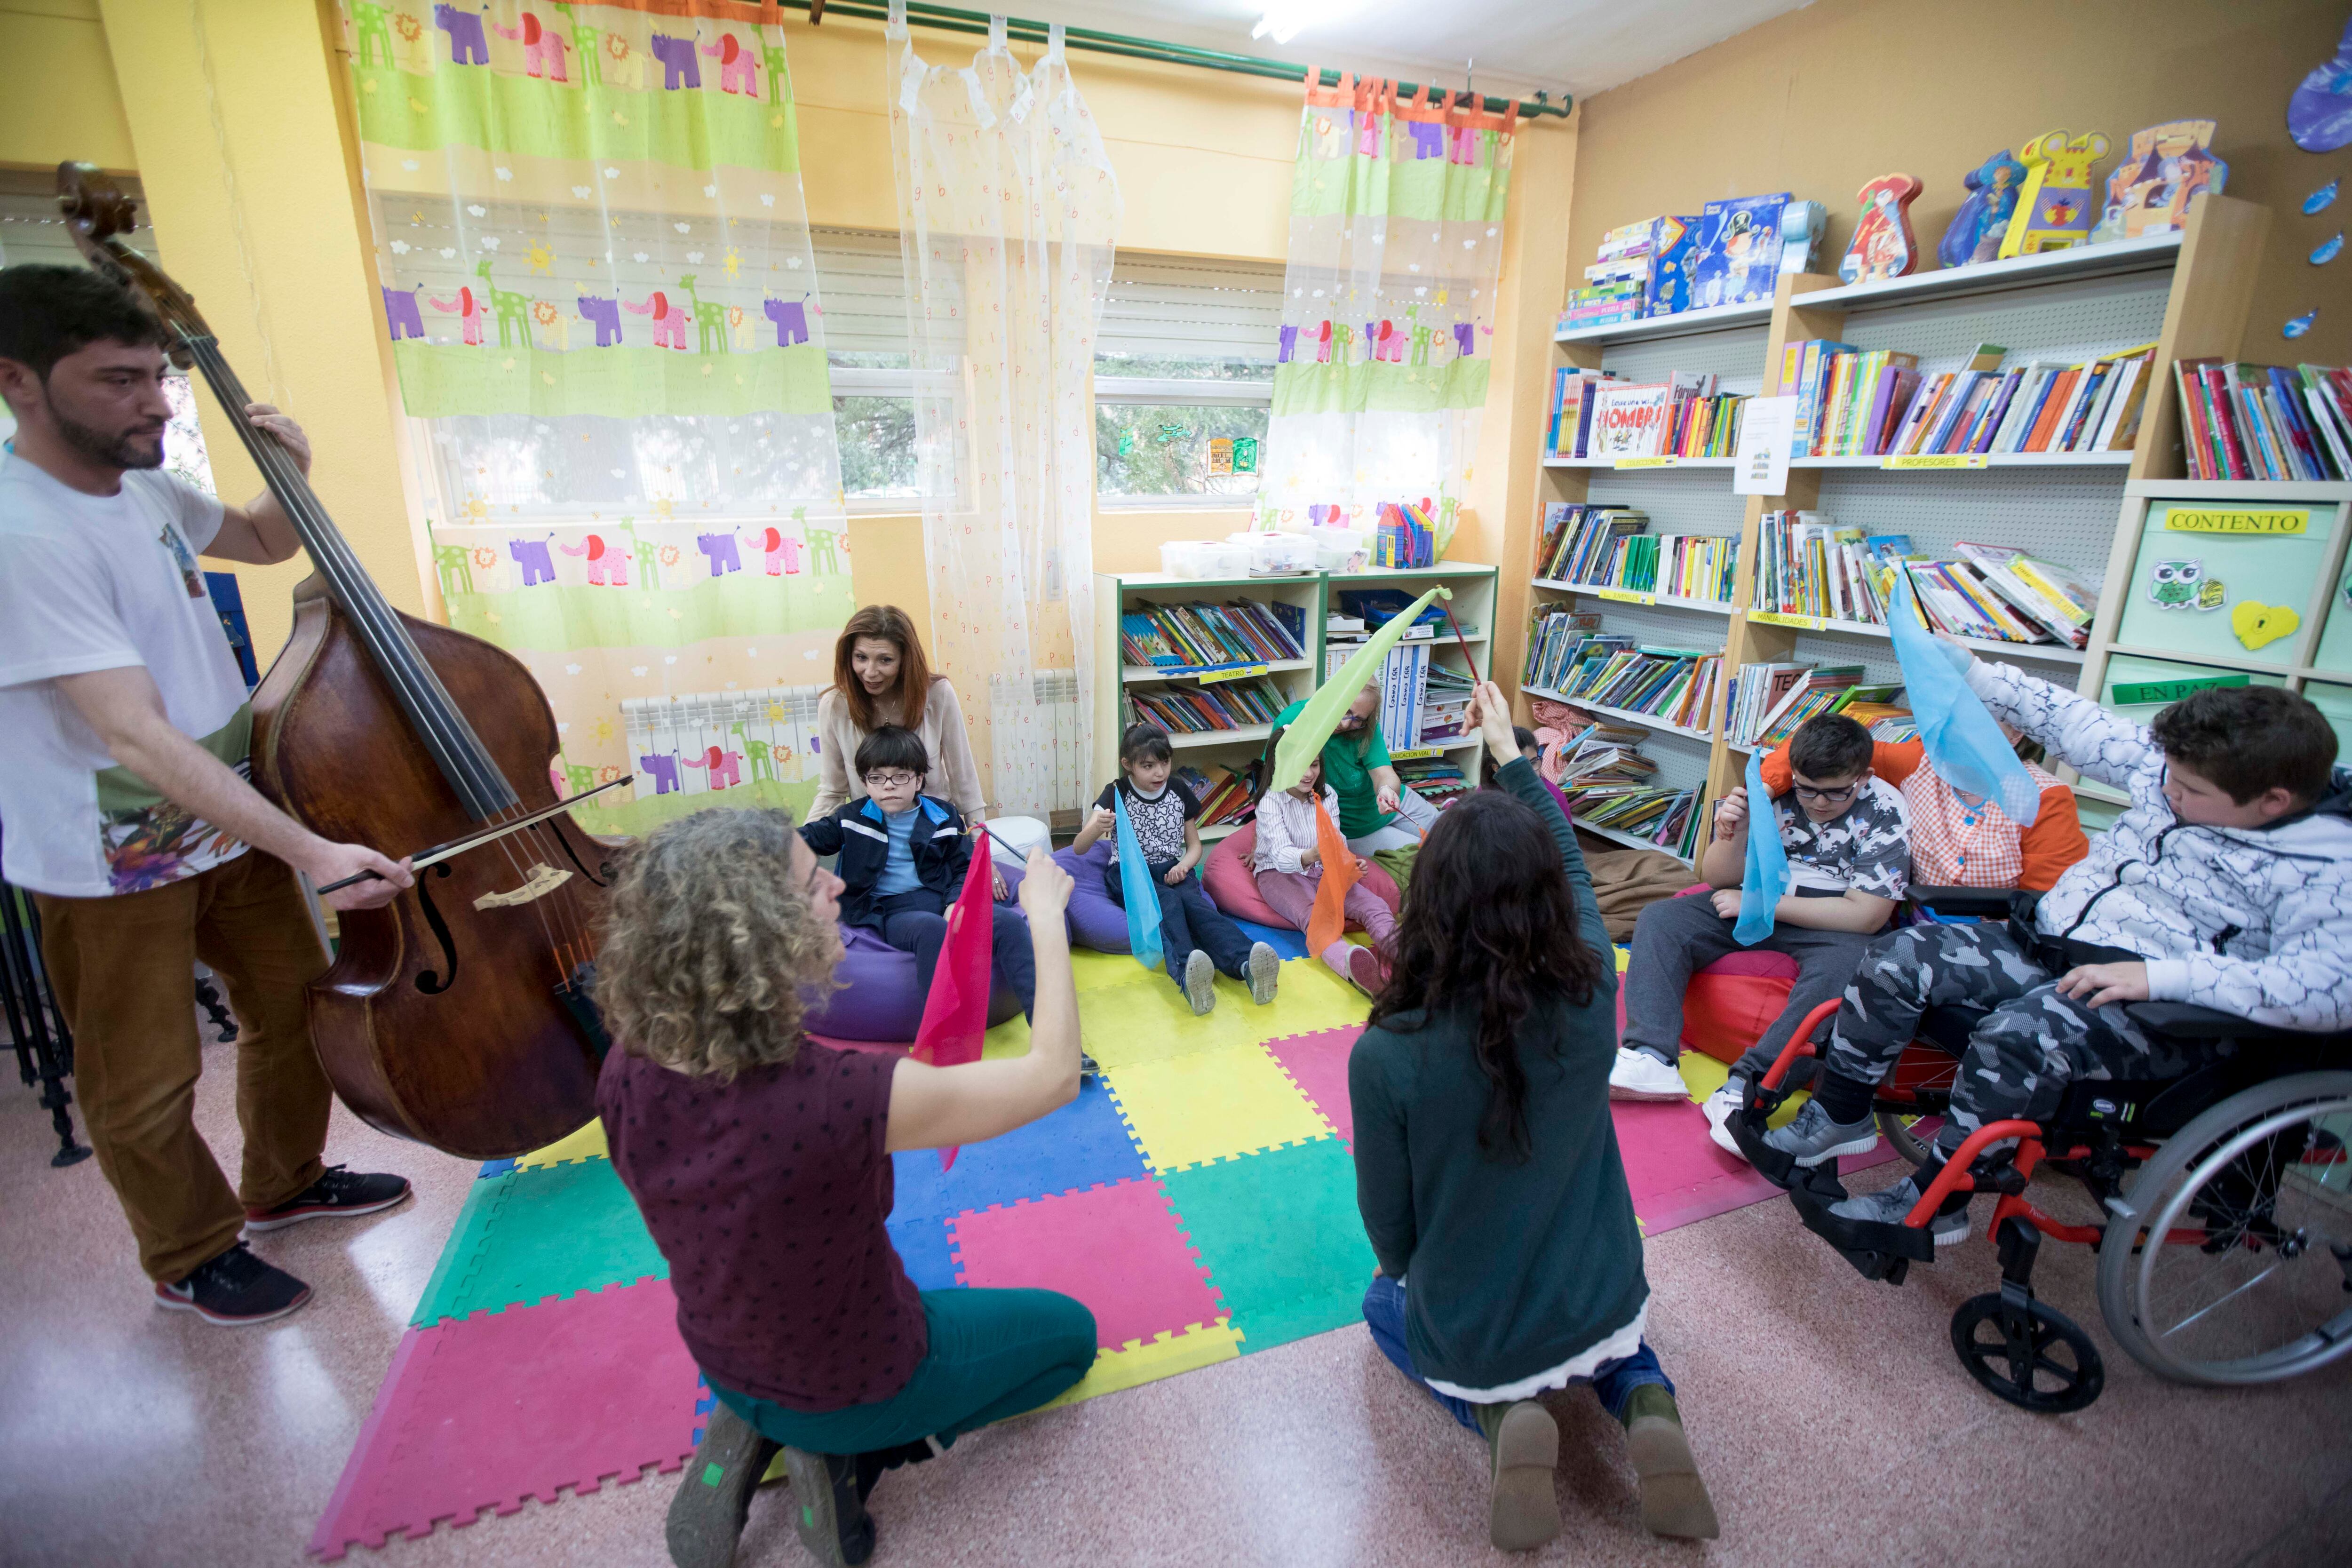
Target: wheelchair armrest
(1990,903)
(2186,1021)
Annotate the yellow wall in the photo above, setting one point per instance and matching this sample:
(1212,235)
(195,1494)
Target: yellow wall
(1824,99)
(57,101)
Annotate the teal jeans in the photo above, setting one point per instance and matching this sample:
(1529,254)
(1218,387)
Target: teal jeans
(993,1353)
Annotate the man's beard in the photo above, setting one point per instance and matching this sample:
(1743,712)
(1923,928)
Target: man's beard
(125,452)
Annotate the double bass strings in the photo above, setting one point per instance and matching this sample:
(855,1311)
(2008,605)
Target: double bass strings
(493,797)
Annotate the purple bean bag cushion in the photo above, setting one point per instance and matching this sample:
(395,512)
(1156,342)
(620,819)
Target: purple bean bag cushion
(878,999)
(1094,920)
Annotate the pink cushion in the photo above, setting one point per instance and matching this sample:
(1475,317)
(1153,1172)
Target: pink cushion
(1232,886)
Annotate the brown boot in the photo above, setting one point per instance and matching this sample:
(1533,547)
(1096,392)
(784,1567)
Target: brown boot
(1522,1513)
(1674,1499)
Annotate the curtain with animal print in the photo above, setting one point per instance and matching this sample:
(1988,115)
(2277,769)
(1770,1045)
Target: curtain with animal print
(1388,309)
(602,305)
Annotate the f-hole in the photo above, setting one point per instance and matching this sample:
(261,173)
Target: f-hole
(433,985)
(566,839)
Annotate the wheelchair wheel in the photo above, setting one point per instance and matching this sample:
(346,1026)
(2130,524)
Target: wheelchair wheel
(1898,1128)
(2266,1177)
(2035,1357)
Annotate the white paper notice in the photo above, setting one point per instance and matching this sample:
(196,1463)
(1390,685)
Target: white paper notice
(1767,426)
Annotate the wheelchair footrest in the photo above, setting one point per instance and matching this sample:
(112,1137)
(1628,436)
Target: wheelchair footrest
(1878,1251)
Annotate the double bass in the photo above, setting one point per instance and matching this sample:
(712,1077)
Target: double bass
(455,1015)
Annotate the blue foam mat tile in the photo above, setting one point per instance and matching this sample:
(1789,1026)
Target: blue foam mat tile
(495,1168)
(1084,1142)
(924,1247)
(1286,944)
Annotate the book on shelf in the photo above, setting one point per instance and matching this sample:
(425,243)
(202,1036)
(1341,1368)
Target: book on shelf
(1199,710)
(1554,638)
(1225,796)
(1445,704)
(1628,418)
(1569,429)
(1201,635)
(2049,595)
(1610,784)
(1815,691)
(1675,686)
(1433,778)
(2264,422)
(1578,538)
(1855,402)
(1403,682)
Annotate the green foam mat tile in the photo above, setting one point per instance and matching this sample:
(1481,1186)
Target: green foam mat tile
(1281,1239)
(531,1233)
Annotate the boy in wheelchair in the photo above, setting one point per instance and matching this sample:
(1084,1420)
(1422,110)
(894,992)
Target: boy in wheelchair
(2227,884)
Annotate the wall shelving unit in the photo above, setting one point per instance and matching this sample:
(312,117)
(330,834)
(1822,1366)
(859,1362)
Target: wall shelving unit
(2188,292)
(1315,594)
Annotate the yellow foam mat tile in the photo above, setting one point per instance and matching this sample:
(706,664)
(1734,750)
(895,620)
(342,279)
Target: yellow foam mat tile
(1148,1020)
(1310,999)
(588,1143)
(1164,1356)
(1211,1105)
(1705,1075)
(1092,971)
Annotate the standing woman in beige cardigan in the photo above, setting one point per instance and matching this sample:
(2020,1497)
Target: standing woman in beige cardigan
(880,677)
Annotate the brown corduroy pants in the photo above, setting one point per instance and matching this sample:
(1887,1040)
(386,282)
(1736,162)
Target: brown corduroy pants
(124,971)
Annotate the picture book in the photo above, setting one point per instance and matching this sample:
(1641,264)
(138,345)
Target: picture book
(1629,418)
(1667,283)
(1883,245)
(2163,168)
(1736,259)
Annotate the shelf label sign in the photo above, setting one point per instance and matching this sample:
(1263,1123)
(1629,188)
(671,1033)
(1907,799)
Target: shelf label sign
(1775,618)
(1210,678)
(2132,694)
(1627,596)
(1768,428)
(1417,753)
(1935,461)
(2257,520)
(1647,462)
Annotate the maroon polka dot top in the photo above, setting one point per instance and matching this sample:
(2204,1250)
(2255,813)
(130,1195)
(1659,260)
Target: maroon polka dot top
(767,1196)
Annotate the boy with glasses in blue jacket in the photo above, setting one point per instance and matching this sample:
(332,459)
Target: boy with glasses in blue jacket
(1849,847)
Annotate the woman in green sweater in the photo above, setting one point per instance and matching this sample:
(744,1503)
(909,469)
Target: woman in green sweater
(1487,1165)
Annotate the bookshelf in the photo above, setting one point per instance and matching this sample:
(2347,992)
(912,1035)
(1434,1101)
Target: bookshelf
(2189,293)
(1315,595)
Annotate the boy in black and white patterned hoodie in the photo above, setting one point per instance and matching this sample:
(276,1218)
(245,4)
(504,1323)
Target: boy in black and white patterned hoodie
(2227,884)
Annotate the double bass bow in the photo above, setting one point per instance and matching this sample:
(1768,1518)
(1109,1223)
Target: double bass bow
(452,1015)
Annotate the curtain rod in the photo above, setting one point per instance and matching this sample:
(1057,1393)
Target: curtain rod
(948,19)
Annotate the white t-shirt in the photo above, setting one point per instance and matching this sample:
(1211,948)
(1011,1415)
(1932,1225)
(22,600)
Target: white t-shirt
(100,582)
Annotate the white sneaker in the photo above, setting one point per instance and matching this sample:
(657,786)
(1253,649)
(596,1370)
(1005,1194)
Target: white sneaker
(1718,1109)
(1638,1075)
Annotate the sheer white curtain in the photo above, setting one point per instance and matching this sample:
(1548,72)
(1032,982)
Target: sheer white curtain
(1008,211)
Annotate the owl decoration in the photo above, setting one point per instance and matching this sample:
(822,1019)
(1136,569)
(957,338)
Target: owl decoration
(2182,585)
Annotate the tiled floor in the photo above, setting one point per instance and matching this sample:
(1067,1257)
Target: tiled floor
(1833,1425)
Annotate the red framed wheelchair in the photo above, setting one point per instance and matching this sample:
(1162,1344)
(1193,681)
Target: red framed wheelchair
(2226,1255)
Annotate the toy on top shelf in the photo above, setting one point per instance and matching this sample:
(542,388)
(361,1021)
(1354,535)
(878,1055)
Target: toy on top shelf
(1982,222)
(1801,226)
(1882,245)
(2056,208)
(1736,259)
(1642,270)
(2150,190)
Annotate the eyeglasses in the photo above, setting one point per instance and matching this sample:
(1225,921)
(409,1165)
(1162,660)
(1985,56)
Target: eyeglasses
(1828,797)
(890,778)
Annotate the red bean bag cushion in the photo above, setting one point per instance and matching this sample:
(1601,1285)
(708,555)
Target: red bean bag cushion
(1732,1001)
(1232,886)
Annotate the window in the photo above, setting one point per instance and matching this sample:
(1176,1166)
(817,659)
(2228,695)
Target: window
(1185,379)
(862,285)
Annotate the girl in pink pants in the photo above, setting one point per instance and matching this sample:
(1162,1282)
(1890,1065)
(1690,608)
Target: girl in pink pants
(1290,872)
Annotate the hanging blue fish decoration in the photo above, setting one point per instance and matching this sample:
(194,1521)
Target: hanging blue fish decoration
(2320,200)
(2329,249)
(2299,325)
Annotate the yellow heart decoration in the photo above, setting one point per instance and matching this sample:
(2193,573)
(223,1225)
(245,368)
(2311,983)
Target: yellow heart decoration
(2259,625)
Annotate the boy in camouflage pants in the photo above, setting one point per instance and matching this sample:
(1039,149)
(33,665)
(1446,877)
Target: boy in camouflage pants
(2227,884)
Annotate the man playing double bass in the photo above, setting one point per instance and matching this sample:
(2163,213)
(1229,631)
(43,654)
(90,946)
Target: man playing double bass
(125,809)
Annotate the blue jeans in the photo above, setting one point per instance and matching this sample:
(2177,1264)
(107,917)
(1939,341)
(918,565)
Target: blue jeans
(1612,1381)
(1187,920)
(917,922)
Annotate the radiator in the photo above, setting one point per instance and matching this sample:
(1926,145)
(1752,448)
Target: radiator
(1055,770)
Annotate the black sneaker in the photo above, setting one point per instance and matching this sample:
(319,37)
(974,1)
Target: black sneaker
(827,1508)
(706,1517)
(337,1194)
(235,1289)
(1088,1068)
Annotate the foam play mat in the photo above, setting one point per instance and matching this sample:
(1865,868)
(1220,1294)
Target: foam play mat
(1198,1197)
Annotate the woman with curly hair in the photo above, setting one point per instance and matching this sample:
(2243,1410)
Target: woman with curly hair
(1487,1165)
(762,1162)
(880,677)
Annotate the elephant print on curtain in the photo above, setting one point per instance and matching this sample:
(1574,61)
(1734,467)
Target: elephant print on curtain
(582,216)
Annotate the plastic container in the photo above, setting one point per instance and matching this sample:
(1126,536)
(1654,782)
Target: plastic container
(1276,554)
(1340,549)
(1185,558)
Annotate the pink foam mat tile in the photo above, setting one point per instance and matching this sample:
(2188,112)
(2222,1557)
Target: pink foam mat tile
(481,1411)
(1117,1248)
(1318,1064)
(1678,1174)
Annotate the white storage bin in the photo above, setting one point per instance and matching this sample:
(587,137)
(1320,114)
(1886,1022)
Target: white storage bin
(1340,549)
(1276,554)
(1186,558)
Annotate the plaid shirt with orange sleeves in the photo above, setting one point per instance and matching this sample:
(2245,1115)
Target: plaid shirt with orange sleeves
(1956,845)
